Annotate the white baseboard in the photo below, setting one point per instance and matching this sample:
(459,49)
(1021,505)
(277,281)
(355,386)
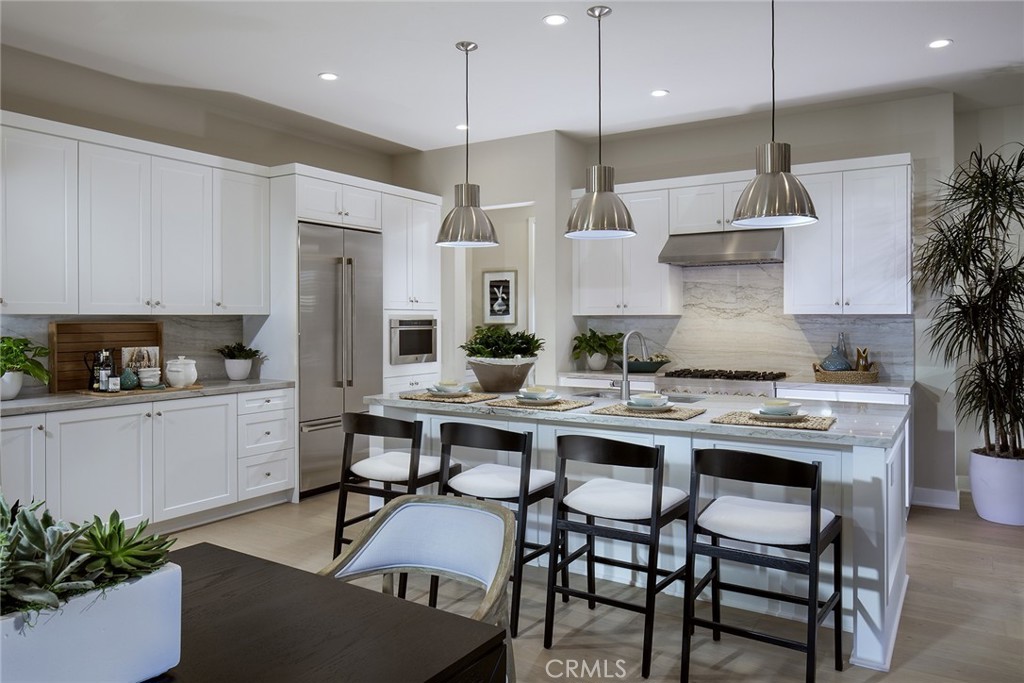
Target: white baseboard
(936,498)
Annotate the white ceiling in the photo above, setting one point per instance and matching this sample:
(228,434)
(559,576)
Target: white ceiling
(401,78)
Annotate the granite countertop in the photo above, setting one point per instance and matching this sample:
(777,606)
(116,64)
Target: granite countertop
(70,400)
(857,424)
(791,382)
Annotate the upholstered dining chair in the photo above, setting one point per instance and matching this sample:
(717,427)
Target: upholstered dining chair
(464,539)
(807,529)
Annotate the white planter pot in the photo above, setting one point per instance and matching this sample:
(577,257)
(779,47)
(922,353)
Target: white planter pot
(597,361)
(238,368)
(127,633)
(10,383)
(997,487)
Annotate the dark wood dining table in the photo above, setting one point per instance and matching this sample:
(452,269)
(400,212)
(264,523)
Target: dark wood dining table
(248,619)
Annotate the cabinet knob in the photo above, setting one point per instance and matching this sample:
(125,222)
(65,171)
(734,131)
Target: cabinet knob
(266,400)
(266,433)
(149,414)
(728,221)
(219,303)
(159,414)
(148,302)
(40,427)
(343,213)
(625,305)
(618,305)
(718,222)
(266,474)
(415,300)
(847,303)
(2,300)
(156,303)
(836,302)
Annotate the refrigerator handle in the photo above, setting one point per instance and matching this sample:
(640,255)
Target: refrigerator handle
(350,322)
(319,425)
(340,322)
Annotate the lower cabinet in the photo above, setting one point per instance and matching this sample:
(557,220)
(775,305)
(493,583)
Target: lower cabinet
(266,443)
(408,383)
(23,458)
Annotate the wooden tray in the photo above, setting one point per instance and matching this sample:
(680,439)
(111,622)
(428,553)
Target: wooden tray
(70,341)
(137,392)
(869,376)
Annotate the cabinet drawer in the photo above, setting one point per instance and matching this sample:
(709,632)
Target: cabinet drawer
(262,474)
(265,401)
(264,432)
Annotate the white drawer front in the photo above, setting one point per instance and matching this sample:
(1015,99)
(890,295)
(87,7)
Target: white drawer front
(263,401)
(262,474)
(264,432)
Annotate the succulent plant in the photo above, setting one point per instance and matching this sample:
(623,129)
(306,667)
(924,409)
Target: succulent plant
(43,568)
(115,556)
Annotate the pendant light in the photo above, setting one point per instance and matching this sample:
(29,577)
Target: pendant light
(600,214)
(466,225)
(775,198)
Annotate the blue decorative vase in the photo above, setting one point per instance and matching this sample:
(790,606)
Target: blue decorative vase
(835,361)
(129,380)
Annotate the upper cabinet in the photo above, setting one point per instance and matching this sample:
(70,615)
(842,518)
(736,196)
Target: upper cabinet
(703,208)
(241,243)
(412,262)
(623,276)
(39,223)
(856,259)
(334,203)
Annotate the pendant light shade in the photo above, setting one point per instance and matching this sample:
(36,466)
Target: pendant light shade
(467,225)
(600,214)
(775,198)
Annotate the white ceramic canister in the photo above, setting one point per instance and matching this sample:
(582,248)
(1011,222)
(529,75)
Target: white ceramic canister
(181,372)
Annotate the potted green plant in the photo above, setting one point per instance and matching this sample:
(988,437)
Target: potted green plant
(238,359)
(17,358)
(974,267)
(597,347)
(110,592)
(500,358)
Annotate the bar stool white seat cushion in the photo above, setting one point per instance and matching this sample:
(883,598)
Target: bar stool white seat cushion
(624,500)
(761,521)
(394,466)
(492,480)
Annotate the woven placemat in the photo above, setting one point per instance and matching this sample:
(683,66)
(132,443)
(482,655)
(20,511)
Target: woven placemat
(741,417)
(468,398)
(563,404)
(622,410)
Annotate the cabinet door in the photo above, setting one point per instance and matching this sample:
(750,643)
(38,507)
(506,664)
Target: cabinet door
(360,207)
(194,455)
(39,230)
(23,458)
(597,277)
(396,213)
(182,234)
(410,383)
(319,200)
(425,257)
(813,262)
(100,460)
(730,196)
(115,251)
(876,241)
(241,244)
(646,289)
(696,209)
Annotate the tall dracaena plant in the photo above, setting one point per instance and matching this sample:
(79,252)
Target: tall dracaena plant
(973,261)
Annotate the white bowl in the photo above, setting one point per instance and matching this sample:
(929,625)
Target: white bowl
(450,388)
(649,399)
(149,377)
(777,407)
(535,392)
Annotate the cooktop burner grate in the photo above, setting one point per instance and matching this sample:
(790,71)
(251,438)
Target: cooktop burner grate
(749,375)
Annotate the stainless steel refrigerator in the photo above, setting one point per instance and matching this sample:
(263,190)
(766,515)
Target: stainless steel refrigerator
(341,320)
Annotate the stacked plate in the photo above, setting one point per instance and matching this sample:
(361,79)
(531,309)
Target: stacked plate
(649,403)
(780,410)
(537,396)
(449,390)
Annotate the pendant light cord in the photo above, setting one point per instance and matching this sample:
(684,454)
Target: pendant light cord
(467,117)
(599,90)
(773,70)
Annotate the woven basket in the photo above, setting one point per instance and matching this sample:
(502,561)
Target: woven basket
(869,376)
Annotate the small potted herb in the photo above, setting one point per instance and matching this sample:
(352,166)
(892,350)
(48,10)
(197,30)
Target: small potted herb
(597,347)
(238,359)
(500,358)
(18,358)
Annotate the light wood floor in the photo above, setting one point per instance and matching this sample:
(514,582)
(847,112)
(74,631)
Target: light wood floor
(963,619)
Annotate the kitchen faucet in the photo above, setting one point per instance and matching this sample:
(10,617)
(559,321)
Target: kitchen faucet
(625,359)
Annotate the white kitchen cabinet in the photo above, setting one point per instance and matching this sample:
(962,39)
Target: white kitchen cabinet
(266,442)
(99,460)
(241,244)
(39,229)
(259,475)
(23,458)
(194,455)
(703,208)
(856,259)
(334,203)
(623,277)
(410,383)
(412,262)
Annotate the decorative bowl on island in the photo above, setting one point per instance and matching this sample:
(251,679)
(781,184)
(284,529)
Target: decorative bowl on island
(649,400)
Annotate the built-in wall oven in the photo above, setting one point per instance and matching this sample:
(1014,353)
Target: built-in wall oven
(413,339)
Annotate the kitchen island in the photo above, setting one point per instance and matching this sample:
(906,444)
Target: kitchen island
(863,456)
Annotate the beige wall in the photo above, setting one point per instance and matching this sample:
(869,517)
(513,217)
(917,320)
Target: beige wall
(512,226)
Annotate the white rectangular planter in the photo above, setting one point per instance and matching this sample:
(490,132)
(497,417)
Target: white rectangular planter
(124,634)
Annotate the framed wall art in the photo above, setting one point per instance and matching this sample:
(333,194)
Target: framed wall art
(500,297)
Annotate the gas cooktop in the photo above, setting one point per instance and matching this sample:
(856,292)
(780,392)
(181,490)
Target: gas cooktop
(748,375)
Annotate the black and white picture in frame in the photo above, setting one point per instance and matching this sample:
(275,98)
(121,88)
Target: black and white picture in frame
(500,297)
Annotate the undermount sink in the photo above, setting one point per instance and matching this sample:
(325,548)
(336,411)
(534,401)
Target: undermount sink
(615,393)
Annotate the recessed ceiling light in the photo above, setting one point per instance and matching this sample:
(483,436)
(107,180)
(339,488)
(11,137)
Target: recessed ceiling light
(462,126)
(659,92)
(328,76)
(555,19)
(941,42)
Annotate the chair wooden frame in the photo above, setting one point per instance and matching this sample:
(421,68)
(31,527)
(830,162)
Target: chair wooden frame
(762,469)
(493,608)
(599,451)
(490,438)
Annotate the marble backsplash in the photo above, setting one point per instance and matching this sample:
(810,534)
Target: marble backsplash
(732,319)
(195,337)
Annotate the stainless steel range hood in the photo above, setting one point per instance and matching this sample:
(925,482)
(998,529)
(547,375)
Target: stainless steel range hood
(733,247)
